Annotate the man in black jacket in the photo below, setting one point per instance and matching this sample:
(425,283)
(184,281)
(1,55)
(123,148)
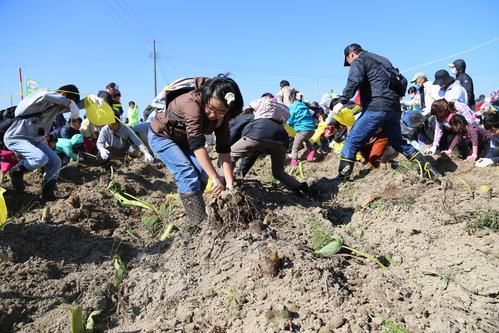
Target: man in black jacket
(458,68)
(381,109)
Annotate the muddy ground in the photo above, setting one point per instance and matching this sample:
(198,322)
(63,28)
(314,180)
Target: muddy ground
(251,268)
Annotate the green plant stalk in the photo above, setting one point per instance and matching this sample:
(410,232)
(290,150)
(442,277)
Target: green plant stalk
(76,321)
(300,170)
(167,232)
(150,206)
(128,202)
(365,255)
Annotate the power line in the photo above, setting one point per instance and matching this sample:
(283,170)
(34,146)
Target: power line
(117,14)
(452,55)
(139,19)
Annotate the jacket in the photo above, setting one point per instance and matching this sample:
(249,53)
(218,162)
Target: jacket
(266,129)
(300,117)
(45,106)
(133,116)
(461,109)
(283,95)
(66,145)
(367,75)
(237,125)
(465,80)
(454,93)
(120,139)
(187,108)
(65,132)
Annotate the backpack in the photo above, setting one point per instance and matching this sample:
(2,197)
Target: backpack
(171,122)
(398,83)
(7,117)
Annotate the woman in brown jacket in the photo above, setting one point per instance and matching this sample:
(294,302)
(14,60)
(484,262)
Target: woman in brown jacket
(177,137)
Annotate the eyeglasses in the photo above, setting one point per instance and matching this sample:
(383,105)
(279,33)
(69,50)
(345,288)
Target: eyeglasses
(220,112)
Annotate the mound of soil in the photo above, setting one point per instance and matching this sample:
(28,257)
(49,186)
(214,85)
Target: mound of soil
(251,266)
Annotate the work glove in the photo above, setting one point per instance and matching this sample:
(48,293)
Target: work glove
(96,100)
(75,110)
(431,151)
(337,108)
(148,157)
(484,162)
(104,153)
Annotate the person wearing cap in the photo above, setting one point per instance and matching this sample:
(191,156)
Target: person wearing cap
(27,135)
(381,109)
(109,95)
(427,91)
(458,68)
(450,89)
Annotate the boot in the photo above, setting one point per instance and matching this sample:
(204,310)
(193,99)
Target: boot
(425,169)
(311,155)
(345,169)
(16,176)
(302,190)
(194,207)
(48,189)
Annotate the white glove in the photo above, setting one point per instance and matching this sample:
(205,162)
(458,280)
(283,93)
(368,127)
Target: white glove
(484,162)
(337,108)
(75,111)
(96,100)
(431,151)
(104,153)
(148,158)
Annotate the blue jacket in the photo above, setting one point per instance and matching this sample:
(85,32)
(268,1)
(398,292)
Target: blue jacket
(300,117)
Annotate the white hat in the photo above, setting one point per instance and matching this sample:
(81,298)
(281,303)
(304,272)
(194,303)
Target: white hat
(418,74)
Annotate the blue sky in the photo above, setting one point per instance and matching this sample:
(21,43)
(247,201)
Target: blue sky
(91,43)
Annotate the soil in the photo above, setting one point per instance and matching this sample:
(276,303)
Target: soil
(250,267)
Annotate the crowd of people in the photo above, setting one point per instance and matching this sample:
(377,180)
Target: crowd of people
(375,117)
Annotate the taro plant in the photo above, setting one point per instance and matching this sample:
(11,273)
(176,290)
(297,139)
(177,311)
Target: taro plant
(153,221)
(325,243)
(76,322)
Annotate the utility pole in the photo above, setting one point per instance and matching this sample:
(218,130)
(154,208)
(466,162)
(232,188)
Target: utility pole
(154,63)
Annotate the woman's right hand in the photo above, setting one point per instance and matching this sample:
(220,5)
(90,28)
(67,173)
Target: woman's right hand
(217,186)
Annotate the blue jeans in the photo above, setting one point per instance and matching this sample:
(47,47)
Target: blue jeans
(35,156)
(185,168)
(367,125)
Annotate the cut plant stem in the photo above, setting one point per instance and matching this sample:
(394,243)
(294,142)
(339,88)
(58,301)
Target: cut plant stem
(167,232)
(365,255)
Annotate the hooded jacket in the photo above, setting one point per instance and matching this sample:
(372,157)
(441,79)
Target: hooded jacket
(465,80)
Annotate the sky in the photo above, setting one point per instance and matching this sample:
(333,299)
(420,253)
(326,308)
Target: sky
(93,42)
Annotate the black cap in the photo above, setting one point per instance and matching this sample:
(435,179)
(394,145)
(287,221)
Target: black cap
(442,77)
(112,85)
(351,48)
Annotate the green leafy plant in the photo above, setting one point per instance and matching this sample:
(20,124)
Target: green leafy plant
(76,322)
(323,242)
(153,221)
(389,326)
(120,270)
(487,218)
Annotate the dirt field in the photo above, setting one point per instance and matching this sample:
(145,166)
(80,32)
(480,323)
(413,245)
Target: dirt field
(252,268)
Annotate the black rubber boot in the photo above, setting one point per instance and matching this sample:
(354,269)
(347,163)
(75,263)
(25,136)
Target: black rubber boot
(17,175)
(345,169)
(48,189)
(194,207)
(303,190)
(425,169)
